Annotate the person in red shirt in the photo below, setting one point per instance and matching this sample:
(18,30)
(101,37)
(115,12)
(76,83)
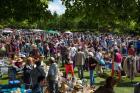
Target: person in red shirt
(131,51)
(116,64)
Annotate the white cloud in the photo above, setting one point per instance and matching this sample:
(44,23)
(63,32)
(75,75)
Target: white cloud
(56,6)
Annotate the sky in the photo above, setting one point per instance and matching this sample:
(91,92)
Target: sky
(57,6)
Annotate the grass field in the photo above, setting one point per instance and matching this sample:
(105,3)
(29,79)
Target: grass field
(124,86)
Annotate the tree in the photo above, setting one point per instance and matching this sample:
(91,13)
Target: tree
(104,12)
(24,10)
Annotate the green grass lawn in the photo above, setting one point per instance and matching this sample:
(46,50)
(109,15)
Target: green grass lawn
(124,86)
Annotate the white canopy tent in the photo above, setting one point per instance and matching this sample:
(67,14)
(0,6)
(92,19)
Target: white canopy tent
(68,32)
(37,30)
(7,31)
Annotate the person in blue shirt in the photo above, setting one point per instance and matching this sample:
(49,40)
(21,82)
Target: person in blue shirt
(124,50)
(138,46)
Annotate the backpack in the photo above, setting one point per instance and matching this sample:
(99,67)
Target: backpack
(118,58)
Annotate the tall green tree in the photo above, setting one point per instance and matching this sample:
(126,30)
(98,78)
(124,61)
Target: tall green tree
(23,9)
(103,13)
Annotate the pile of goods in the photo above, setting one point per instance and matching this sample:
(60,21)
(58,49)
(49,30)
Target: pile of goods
(74,85)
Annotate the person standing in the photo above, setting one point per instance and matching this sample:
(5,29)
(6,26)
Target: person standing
(131,51)
(52,77)
(72,53)
(92,64)
(80,60)
(99,58)
(29,66)
(138,46)
(117,59)
(64,53)
(35,73)
(124,50)
(69,67)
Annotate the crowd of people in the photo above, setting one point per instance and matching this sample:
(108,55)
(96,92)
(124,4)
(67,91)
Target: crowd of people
(40,55)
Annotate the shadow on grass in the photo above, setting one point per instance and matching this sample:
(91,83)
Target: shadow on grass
(104,75)
(76,72)
(126,84)
(100,83)
(4,78)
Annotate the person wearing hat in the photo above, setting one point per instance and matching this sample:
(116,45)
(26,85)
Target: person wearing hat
(52,77)
(91,64)
(18,64)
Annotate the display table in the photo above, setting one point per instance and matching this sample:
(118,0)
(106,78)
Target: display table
(16,90)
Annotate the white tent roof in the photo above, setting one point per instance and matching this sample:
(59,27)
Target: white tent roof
(68,32)
(7,31)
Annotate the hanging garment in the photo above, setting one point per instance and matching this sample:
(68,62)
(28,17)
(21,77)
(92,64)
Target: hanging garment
(130,66)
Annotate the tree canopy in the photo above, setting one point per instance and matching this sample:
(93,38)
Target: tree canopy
(79,14)
(23,11)
(104,13)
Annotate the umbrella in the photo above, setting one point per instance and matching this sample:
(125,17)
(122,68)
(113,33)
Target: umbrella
(68,32)
(53,32)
